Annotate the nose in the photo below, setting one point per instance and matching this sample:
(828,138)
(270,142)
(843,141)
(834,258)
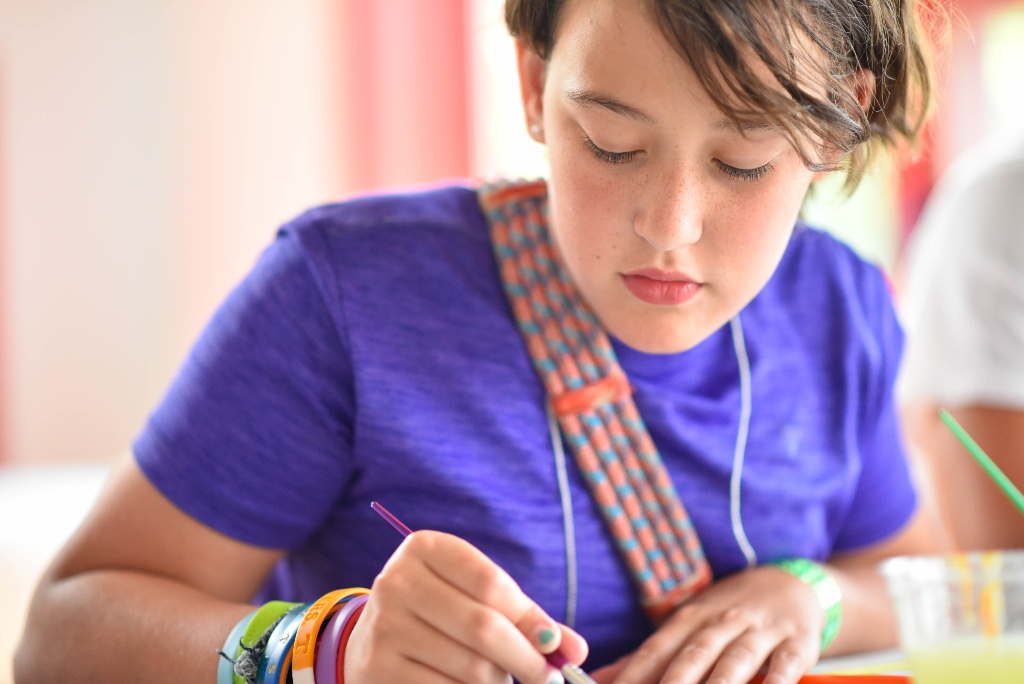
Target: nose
(673,215)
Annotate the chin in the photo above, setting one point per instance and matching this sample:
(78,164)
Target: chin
(660,346)
(660,339)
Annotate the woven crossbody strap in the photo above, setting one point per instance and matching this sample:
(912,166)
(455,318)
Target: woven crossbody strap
(592,399)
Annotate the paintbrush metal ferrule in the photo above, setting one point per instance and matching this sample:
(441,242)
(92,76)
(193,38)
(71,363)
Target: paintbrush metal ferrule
(574,675)
(570,671)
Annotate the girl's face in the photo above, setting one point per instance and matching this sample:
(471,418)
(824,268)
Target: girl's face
(668,216)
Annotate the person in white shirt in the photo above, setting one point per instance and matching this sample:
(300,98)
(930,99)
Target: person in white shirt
(963,308)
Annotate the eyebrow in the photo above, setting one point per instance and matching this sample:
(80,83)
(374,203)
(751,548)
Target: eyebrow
(744,127)
(589,98)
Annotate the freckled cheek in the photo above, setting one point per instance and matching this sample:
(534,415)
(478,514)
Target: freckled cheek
(754,229)
(591,191)
(760,243)
(582,240)
(591,215)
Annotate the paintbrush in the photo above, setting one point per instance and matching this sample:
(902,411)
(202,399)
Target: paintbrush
(572,672)
(993,471)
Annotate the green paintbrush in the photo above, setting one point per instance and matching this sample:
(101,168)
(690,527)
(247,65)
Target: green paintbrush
(981,457)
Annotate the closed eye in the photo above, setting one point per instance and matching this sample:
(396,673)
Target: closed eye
(610,157)
(748,175)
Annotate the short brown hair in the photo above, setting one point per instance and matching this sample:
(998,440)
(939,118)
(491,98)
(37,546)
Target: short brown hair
(715,36)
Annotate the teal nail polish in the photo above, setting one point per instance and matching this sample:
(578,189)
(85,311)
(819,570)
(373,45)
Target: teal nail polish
(556,678)
(545,637)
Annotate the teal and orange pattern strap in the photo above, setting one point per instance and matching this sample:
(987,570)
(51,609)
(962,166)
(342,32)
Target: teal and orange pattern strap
(592,398)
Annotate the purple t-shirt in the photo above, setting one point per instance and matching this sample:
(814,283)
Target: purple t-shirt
(371,355)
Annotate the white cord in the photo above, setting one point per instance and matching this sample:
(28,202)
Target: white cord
(567,517)
(740,346)
(571,579)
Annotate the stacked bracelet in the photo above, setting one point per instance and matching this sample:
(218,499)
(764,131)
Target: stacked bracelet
(282,642)
(340,660)
(256,637)
(275,666)
(232,647)
(329,648)
(825,587)
(310,629)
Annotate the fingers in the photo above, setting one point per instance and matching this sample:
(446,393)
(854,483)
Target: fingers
(417,663)
(757,619)
(481,629)
(442,604)
(673,640)
(573,646)
(743,657)
(403,640)
(541,630)
(464,566)
(730,644)
(726,648)
(790,661)
(610,673)
(459,663)
(483,605)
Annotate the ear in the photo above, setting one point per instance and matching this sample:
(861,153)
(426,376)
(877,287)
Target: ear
(862,83)
(531,88)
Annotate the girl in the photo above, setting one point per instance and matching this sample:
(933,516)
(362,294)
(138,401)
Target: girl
(637,409)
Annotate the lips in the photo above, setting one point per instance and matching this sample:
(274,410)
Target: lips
(661,288)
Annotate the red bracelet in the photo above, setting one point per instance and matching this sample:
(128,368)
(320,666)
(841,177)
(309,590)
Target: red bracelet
(346,633)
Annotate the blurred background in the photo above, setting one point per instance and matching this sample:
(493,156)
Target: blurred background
(148,151)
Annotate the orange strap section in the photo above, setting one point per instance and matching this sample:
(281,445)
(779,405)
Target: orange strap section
(590,396)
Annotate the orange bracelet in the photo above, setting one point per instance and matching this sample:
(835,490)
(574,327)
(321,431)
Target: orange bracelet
(340,672)
(304,649)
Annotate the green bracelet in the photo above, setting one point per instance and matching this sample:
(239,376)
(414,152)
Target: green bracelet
(824,585)
(262,621)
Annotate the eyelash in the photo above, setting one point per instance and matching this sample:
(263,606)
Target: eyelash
(606,156)
(746,175)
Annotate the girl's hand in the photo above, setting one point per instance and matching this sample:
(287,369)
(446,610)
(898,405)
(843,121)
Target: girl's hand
(441,611)
(727,632)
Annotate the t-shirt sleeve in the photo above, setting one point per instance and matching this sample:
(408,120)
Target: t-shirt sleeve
(884,497)
(253,437)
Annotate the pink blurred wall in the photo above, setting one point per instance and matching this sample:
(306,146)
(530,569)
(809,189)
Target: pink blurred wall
(406,65)
(3,282)
(148,153)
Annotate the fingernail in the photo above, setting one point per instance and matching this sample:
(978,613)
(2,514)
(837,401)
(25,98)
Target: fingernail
(545,638)
(556,678)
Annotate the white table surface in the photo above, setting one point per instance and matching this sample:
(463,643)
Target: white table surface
(40,506)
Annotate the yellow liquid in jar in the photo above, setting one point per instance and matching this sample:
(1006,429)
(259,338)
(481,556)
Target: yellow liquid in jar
(968,660)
